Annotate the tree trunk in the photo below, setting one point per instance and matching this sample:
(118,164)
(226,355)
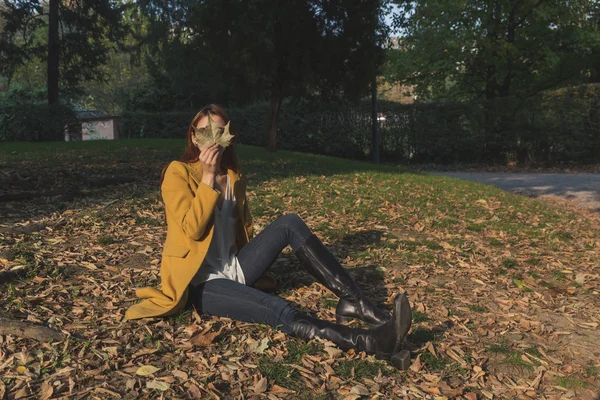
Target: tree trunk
(276,97)
(53,53)
(24,329)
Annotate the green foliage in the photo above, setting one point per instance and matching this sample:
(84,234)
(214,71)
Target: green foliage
(137,125)
(33,121)
(417,133)
(481,49)
(89,28)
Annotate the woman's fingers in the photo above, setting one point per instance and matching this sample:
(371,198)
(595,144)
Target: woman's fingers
(215,157)
(208,152)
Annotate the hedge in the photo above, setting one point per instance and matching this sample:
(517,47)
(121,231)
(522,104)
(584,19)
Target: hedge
(557,126)
(33,121)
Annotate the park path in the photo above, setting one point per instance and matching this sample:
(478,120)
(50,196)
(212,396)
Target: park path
(582,189)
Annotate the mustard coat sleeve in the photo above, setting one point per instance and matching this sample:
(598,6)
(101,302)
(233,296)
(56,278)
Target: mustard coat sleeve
(190,210)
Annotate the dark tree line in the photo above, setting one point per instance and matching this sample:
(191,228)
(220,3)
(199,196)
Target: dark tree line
(231,51)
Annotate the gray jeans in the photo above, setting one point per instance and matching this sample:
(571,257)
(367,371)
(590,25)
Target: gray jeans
(228,298)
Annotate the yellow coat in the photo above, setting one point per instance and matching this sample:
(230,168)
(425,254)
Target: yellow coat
(189,207)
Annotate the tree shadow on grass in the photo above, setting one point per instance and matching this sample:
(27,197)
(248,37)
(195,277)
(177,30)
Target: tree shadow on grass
(291,275)
(51,177)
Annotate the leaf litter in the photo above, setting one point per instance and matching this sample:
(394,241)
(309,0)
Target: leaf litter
(504,291)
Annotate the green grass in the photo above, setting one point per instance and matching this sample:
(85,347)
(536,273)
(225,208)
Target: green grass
(477,308)
(559,275)
(362,369)
(432,209)
(279,373)
(106,240)
(329,301)
(432,362)
(499,348)
(515,360)
(422,335)
(297,350)
(509,263)
(592,371)
(570,382)
(419,316)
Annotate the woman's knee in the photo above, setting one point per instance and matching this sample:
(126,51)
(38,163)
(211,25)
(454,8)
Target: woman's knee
(297,230)
(293,220)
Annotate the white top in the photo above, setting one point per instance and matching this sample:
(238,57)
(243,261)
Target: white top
(221,261)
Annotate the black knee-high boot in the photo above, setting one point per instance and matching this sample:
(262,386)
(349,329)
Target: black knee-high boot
(383,341)
(324,267)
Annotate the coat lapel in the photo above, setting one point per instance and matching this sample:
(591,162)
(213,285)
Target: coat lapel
(195,171)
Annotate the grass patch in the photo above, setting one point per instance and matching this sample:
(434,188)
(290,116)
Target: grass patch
(562,236)
(559,275)
(329,301)
(106,240)
(279,373)
(477,308)
(183,316)
(592,371)
(296,350)
(362,369)
(475,227)
(147,221)
(515,360)
(509,263)
(533,350)
(570,382)
(419,316)
(432,362)
(496,243)
(499,348)
(534,275)
(422,335)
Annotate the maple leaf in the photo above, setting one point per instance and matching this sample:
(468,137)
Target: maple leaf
(212,133)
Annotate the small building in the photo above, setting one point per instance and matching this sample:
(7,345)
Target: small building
(93,128)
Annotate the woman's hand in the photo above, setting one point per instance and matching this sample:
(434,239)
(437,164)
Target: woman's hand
(210,160)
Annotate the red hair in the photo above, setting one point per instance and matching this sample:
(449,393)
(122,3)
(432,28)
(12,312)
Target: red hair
(229,159)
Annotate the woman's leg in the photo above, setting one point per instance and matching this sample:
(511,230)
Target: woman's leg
(231,299)
(228,298)
(260,253)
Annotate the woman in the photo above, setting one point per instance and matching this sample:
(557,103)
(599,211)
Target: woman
(211,259)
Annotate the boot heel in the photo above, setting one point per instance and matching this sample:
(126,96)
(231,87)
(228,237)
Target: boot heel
(340,319)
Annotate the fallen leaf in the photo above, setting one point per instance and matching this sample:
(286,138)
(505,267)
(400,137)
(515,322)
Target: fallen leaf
(261,385)
(158,385)
(46,391)
(180,374)
(22,393)
(278,389)
(359,389)
(264,343)
(212,133)
(146,370)
(333,352)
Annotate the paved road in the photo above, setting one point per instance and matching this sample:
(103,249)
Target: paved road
(583,189)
